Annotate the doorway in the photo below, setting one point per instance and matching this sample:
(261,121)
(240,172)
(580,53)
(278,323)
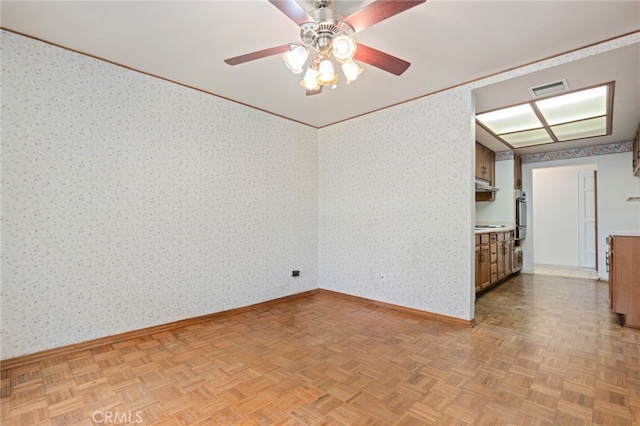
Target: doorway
(565,221)
(587,231)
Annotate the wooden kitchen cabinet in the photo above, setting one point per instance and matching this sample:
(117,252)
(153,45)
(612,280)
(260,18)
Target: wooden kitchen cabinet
(501,256)
(478,280)
(485,170)
(624,278)
(483,265)
(493,255)
(517,171)
(496,258)
(508,257)
(505,254)
(509,242)
(517,258)
(493,258)
(485,163)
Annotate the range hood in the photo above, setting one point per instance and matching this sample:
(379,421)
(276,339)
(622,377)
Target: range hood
(483,186)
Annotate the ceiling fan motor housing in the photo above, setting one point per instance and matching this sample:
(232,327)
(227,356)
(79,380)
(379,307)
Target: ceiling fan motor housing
(328,24)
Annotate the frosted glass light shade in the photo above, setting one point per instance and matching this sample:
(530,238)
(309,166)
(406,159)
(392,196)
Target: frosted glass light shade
(344,47)
(295,57)
(310,81)
(351,70)
(326,74)
(509,120)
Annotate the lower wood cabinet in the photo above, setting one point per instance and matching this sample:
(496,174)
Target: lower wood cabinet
(477,280)
(483,262)
(505,254)
(497,257)
(624,278)
(517,259)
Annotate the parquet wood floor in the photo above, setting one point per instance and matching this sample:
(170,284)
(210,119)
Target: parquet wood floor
(545,350)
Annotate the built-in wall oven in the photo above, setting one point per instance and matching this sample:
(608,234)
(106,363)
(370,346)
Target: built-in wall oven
(521,215)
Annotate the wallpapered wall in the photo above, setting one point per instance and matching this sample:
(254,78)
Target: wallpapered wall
(395,205)
(129,202)
(396,213)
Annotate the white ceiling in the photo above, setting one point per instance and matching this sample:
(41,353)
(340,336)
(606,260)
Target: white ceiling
(447,42)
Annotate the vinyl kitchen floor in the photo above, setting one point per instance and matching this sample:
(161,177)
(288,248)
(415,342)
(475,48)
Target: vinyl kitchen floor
(565,271)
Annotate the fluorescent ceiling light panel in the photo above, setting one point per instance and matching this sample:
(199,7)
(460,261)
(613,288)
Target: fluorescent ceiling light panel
(581,129)
(574,106)
(529,137)
(509,120)
(578,115)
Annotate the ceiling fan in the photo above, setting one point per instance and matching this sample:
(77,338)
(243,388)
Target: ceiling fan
(329,35)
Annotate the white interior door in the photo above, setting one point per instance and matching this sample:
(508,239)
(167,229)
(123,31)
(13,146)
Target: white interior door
(587,219)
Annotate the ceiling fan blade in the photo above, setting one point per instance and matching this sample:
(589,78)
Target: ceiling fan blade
(257,55)
(377,11)
(381,60)
(293,10)
(314,92)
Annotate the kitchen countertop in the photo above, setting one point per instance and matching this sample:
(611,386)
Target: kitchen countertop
(506,228)
(624,233)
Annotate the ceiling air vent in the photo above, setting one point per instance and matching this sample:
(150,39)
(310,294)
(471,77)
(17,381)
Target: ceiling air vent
(546,89)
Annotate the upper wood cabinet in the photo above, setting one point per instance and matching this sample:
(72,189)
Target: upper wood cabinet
(636,154)
(517,171)
(485,163)
(485,170)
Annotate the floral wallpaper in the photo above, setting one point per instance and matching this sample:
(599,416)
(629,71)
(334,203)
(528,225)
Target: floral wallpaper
(614,148)
(128,201)
(395,205)
(504,155)
(396,210)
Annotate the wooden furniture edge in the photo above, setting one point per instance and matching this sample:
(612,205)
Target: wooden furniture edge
(116,338)
(416,312)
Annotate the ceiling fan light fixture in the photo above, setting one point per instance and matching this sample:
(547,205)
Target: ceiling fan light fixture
(351,70)
(295,57)
(310,81)
(329,35)
(344,47)
(326,74)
